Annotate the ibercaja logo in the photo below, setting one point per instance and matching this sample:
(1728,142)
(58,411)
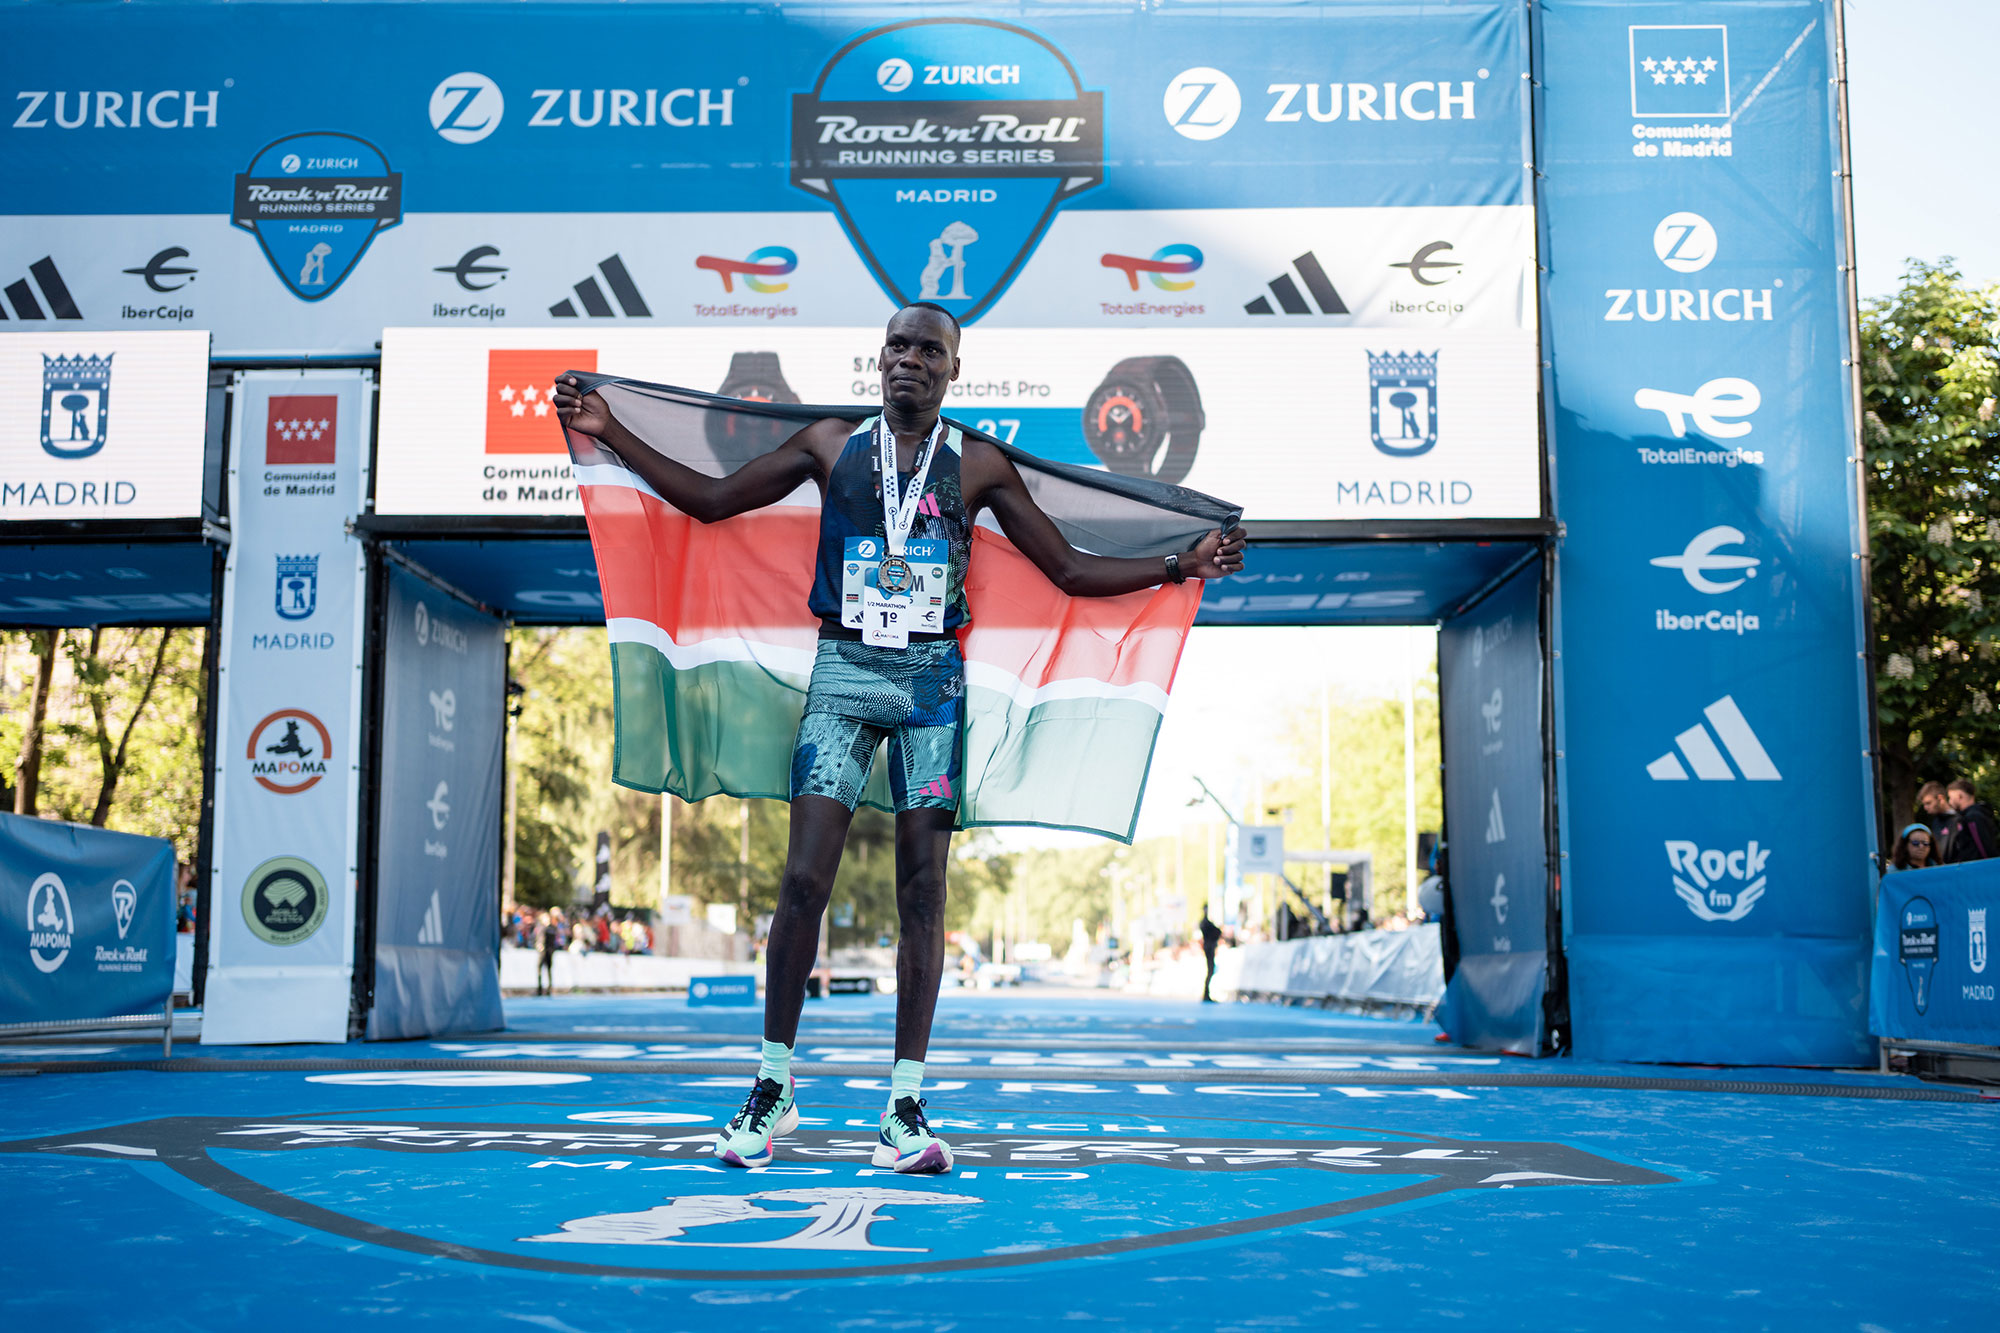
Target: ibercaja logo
(314,202)
(946,146)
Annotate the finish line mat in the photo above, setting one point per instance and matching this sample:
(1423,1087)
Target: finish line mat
(312,1186)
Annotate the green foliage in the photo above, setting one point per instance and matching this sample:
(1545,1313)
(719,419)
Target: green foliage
(1367,770)
(1929,383)
(122,739)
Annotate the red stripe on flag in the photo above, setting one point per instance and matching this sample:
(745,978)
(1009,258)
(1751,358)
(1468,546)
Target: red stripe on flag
(748,576)
(1028,627)
(751,575)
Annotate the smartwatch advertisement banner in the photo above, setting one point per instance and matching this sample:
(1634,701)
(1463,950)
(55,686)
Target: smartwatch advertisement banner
(1716,791)
(1094,166)
(99,425)
(281,921)
(1293,425)
(437,832)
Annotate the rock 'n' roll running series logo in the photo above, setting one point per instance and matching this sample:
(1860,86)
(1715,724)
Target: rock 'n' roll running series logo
(636,1194)
(945,146)
(314,201)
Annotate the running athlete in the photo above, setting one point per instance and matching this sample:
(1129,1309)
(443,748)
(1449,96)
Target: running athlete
(875,682)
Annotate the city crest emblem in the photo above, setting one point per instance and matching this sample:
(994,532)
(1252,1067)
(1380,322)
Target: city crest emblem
(76,404)
(945,146)
(314,202)
(298,586)
(1402,402)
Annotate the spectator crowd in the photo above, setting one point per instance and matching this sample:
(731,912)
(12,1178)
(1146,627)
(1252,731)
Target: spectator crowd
(550,931)
(1952,825)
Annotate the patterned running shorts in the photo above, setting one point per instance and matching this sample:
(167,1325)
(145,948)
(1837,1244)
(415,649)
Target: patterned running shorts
(915,696)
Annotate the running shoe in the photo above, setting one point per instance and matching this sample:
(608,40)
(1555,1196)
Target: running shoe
(907,1143)
(769,1113)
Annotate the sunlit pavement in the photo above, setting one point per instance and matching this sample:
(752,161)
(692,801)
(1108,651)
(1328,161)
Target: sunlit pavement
(1153,1163)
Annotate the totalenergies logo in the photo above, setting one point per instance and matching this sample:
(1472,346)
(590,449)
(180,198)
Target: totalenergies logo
(1167,263)
(766,262)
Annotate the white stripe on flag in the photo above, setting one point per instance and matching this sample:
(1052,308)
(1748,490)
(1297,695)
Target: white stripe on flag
(799,661)
(702,652)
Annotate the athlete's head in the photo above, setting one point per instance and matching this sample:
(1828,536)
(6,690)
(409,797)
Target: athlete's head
(919,358)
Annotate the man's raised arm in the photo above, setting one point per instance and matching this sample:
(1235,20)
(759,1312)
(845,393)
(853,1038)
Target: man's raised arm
(997,485)
(762,481)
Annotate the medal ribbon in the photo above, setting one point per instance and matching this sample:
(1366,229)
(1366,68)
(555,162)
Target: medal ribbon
(900,515)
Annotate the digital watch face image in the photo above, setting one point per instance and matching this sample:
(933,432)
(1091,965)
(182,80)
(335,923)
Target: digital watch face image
(945,146)
(1122,422)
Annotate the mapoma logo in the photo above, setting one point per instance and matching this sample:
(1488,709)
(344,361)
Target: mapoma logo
(286,757)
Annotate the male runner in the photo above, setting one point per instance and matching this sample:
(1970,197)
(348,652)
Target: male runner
(862,691)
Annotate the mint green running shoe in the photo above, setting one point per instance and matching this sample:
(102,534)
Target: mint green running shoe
(907,1143)
(770,1112)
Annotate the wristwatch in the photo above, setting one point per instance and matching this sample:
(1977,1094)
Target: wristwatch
(754,376)
(1145,419)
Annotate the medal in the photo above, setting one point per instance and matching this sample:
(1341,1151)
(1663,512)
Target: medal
(894,575)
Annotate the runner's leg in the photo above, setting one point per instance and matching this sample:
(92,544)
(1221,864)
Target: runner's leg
(923,840)
(818,833)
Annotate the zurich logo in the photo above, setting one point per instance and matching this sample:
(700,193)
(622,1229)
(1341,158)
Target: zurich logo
(1202,103)
(945,194)
(465,108)
(314,202)
(894,74)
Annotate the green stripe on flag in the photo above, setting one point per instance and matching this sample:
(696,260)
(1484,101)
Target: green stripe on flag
(1091,781)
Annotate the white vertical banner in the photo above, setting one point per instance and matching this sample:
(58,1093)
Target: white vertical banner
(281,920)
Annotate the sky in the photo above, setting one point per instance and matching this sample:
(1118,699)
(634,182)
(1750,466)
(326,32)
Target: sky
(1920,101)
(1923,186)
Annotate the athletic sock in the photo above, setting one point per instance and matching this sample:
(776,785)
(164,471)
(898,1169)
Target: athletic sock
(905,1080)
(776,1064)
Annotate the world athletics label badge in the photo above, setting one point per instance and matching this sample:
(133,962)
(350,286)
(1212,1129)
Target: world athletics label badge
(946,146)
(314,201)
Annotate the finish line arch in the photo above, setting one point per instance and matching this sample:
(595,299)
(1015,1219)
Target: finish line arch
(1547,414)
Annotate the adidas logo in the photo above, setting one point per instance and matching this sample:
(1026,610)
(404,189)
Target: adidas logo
(1496,827)
(21,295)
(432,931)
(1698,746)
(1287,292)
(937,787)
(591,296)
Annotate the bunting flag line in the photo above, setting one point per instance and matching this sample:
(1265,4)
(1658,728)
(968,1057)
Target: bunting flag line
(712,643)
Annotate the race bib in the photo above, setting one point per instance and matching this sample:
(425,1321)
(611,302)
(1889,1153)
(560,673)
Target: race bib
(886,619)
(930,563)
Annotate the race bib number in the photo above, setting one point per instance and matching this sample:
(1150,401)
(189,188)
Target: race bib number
(930,563)
(886,619)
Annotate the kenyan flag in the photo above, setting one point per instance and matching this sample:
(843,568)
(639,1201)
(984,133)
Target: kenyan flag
(712,644)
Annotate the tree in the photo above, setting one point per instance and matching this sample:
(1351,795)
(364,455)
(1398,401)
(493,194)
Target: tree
(1929,387)
(108,729)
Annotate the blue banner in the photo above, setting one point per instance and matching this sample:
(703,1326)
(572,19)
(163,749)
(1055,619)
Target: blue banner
(86,921)
(1934,978)
(437,857)
(1098,164)
(1490,682)
(1715,786)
